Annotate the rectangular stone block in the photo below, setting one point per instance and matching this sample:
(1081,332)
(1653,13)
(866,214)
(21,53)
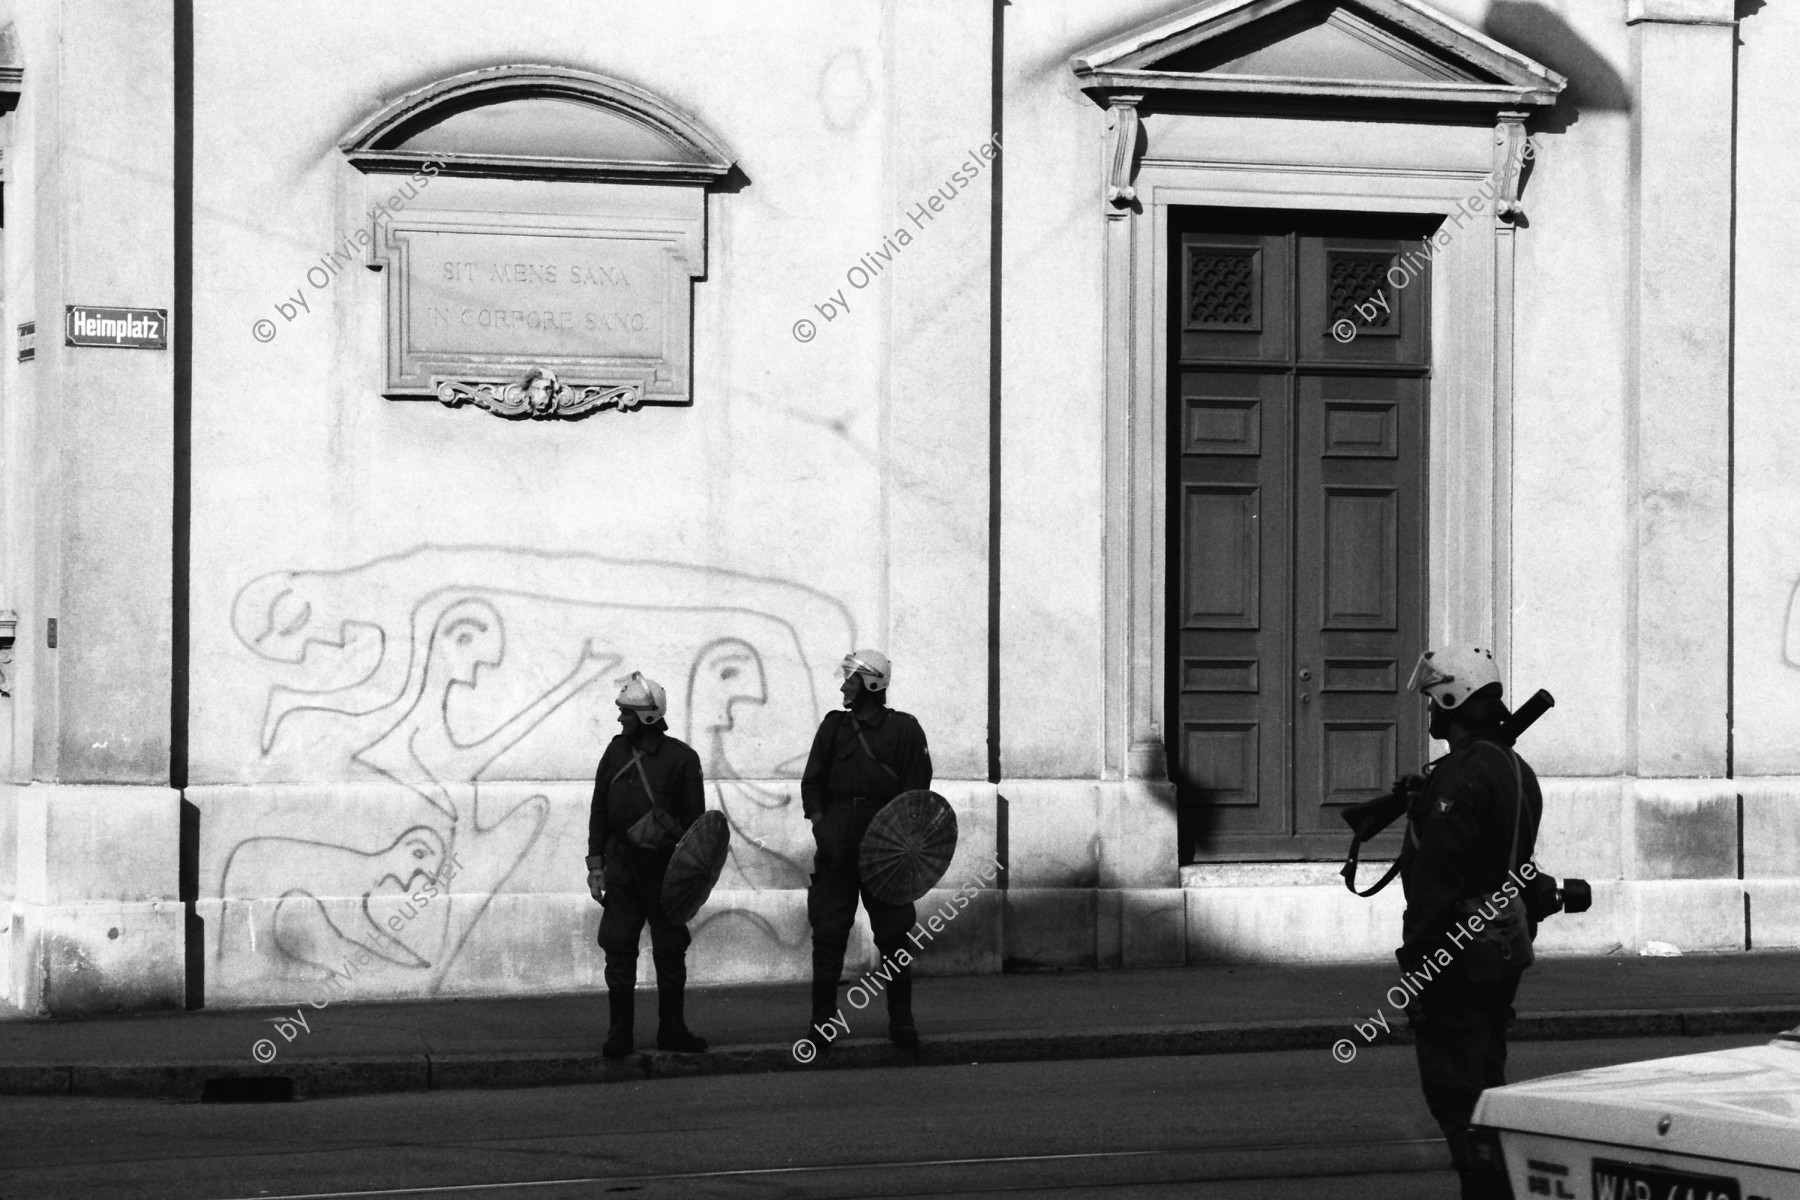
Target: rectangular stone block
(9,864)
(1580,831)
(977,808)
(1138,844)
(1771,828)
(1311,924)
(548,946)
(759,937)
(87,959)
(1774,914)
(1600,930)
(1680,829)
(1281,874)
(971,942)
(1053,833)
(9,844)
(1691,915)
(272,950)
(1048,928)
(82,844)
(1141,927)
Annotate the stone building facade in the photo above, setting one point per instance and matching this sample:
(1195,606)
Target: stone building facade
(1152,382)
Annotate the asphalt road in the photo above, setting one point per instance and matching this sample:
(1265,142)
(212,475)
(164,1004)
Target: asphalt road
(1295,1124)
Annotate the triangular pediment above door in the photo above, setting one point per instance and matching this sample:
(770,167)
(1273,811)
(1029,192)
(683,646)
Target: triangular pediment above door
(1367,49)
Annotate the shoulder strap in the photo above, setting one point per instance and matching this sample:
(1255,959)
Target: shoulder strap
(1512,856)
(1512,760)
(637,760)
(1349,871)
(869,750)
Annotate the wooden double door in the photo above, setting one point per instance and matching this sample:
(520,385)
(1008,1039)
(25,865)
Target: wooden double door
(1300,363)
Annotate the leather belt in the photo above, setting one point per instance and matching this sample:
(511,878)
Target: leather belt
(859,801)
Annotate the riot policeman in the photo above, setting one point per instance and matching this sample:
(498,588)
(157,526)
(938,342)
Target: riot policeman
(861,758)
(1469,828)
(647,792)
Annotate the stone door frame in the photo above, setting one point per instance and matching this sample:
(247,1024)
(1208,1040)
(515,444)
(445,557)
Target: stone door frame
(1469,442)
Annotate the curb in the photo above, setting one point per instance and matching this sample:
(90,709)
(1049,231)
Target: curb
(307,1079)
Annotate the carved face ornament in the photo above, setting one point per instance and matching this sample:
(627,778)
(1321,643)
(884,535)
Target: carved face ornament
(540,391)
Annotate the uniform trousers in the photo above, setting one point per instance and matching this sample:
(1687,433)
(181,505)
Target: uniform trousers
(831,905)
(634,879)
(1460,1041)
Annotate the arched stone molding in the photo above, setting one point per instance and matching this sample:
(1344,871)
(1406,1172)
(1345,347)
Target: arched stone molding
(502,122)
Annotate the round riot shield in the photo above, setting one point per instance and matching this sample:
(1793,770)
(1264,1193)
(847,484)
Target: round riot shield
(908,846)
(694,868)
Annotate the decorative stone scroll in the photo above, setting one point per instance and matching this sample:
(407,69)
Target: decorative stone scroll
(1510,142)
(1122,154)
(539,395)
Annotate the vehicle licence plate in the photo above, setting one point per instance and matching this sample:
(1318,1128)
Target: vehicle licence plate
(1628,1181)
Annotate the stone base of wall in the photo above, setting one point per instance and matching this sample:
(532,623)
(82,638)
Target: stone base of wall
(1661,856)
(298,883)
(96,925)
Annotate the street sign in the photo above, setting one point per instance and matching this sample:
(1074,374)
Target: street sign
(27,341)
(129,328)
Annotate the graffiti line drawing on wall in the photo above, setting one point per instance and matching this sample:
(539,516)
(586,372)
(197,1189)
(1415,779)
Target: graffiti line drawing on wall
(444,669)
(299,926)
(727,673)
(1790,647)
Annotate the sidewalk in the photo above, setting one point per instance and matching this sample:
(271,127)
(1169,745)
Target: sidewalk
(524,1041)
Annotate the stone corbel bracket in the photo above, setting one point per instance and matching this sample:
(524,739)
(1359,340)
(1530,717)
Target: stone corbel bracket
(9,627)
(539,396)
(1122,153)
(1512,146)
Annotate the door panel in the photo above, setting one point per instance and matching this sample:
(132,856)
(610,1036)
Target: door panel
(1296,523)
(1233,299)
(1360,533)
(1232,492)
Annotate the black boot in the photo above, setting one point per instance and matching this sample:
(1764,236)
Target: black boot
(620,1000)
(900,1018)
(672,1032)
(824,1008)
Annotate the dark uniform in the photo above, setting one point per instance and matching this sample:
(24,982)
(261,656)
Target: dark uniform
(846,784)
(1460,828)
(634,877)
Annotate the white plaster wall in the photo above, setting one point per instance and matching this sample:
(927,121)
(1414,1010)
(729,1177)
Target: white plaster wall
(1052,566)
(1571,544)
(775,471)
(814,497)
(1766,550)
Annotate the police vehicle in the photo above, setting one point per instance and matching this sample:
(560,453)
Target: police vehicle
(1718,1126)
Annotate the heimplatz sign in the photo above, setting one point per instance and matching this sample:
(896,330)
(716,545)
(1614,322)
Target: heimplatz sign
(131,328)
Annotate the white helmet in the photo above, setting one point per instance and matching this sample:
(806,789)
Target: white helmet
(1452,674)
(872,665)
(645,697)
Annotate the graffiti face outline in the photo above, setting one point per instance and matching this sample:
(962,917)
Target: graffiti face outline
(469,637)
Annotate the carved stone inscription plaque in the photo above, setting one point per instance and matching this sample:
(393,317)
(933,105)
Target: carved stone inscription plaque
(487,297)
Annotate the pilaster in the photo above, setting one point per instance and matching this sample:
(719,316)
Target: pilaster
(1680,313)
(96,923)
